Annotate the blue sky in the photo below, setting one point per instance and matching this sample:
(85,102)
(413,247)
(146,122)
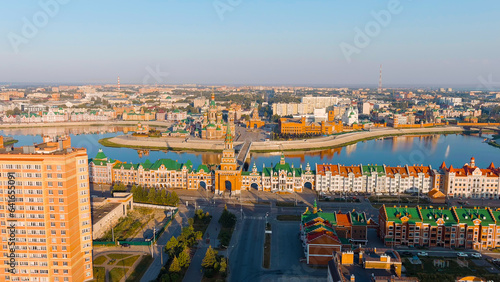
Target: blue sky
(444,43)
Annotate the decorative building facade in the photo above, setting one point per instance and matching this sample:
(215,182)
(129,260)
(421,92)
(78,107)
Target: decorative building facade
(282,178)
(373,179)
(255,121)
(471,228)
(323,233)
(213,125)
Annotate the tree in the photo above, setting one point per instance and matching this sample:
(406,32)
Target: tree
(172,246)
(152,195)
(209,260)
(223,265)
(184,258)
(174,266)
(227,219)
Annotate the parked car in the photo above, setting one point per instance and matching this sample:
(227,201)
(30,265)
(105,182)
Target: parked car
(423,254)
(125,245)
(463,255)
(476,255)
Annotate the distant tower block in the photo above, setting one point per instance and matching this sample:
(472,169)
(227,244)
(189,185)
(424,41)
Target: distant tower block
(118,82)
(380,81)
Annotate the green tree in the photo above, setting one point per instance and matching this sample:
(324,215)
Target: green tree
(171,246)
(227,219)
(162,197)
(223,265)
(152,195)
(174,266)
(184,258)
(174,199)
(209,260)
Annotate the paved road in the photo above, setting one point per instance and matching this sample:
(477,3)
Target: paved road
(245,259)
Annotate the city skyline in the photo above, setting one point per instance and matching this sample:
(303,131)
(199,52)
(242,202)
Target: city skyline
(251,43)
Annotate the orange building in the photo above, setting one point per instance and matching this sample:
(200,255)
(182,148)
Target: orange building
(300,126)
(255,121)
(228,176)
(46,207)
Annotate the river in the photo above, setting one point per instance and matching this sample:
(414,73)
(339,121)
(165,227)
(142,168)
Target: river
(455,149)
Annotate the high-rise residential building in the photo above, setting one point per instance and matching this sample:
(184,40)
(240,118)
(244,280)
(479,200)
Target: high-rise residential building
(45,218)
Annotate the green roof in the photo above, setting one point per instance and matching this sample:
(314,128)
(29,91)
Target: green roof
(328,216)
(202,167)
(358,218)
(100,155)
(368,169)
(395,214)
(282,167)
(147,165)
(469,215)
(431,216)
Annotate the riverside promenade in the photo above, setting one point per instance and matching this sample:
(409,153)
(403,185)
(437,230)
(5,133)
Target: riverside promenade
(272,146)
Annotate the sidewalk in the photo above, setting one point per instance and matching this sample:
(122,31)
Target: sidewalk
(195,271)
(174,229)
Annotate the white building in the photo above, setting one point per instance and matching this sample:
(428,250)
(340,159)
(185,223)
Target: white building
(350,116)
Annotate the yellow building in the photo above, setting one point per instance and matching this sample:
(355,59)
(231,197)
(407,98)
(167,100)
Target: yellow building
(45,210)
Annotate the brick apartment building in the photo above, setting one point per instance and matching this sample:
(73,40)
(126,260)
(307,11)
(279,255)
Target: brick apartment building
(45,225)
(474,228)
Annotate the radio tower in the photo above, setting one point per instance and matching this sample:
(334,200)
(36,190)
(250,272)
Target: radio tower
(118,83)
(380,81)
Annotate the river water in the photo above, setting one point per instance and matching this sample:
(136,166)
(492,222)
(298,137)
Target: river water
(431,150)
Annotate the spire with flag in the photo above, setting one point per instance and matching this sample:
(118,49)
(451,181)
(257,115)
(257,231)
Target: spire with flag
(228,141)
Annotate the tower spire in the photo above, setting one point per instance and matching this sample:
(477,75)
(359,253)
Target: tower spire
(228,141)
(380,80)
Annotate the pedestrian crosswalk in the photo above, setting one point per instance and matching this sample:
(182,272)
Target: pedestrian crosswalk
(253,217)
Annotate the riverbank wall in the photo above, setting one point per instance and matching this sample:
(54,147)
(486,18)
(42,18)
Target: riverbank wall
(271,146)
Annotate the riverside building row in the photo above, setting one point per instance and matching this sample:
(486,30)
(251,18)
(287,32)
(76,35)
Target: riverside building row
(46,228)
(455,227)
(469,181)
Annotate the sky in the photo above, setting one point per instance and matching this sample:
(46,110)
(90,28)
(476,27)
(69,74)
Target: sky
(273,42)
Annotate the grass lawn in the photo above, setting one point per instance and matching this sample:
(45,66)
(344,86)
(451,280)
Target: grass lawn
(117,273)
(285,204)
(99,274)
(288,217)
(201,224)
(140,269)
(128,226)
(118,256)
(128,261)
(402,199)
(100,260)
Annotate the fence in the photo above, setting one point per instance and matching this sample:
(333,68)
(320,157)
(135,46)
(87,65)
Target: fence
(138,243)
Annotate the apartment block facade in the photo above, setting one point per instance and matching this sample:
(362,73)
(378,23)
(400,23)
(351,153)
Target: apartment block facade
(474,228)
(45,216)
(373,179)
